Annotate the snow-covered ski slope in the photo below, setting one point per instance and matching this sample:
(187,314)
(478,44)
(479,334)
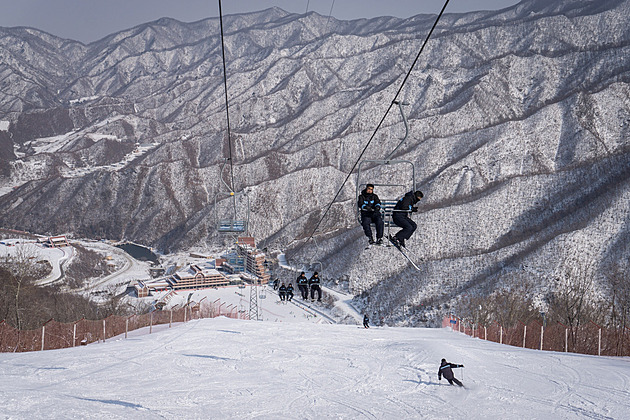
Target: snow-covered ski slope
(234,369)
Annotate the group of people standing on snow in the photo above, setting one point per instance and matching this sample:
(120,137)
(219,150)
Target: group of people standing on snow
(304,286)
(372,212)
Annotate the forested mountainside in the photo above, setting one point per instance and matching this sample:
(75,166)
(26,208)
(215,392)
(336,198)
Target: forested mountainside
(518,121)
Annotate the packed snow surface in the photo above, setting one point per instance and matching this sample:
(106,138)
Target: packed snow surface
(236,369)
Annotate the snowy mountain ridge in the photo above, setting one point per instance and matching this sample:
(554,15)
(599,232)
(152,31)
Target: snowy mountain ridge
(518,124)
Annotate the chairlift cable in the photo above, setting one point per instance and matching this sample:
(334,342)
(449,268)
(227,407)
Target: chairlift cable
(404,117)
(329,14)
(227,110)
(378,126)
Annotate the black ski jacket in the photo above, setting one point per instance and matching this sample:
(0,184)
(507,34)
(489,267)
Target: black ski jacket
(445,370)
(313,281)
(302,280)
(407,202)
(368,203)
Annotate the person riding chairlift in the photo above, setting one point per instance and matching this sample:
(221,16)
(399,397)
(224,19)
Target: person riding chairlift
(402,209)
(370,206)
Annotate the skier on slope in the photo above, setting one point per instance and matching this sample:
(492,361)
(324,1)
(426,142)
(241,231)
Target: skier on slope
(446,371)
(402,209)
(366,321)
(370,206)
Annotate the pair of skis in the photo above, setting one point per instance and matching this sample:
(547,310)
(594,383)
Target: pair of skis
(410,256)
(406,253)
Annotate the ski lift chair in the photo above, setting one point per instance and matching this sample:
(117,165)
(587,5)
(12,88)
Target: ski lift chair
(313,266)
(393,191)
(233,225)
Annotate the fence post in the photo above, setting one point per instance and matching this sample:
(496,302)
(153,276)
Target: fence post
(566,340)
(542,334)
(43,335)
(151,324)
(74,335)
(485,333)
(599,347)
(103,330)
(126,326)
(524,334)
(185,307)
(473,330)
(501,334)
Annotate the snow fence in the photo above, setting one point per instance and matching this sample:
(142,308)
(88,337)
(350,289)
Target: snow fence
(585,339)
(58,335)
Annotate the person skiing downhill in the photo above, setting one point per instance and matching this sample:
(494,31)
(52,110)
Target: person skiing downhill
(366,321)
(402,209)
(370,206)
(446,371)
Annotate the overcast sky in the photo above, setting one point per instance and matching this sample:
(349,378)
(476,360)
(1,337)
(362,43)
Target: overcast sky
(90,20)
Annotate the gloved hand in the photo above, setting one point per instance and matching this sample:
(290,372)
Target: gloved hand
(439,378)
(461,365)
(414,209)
(369,208)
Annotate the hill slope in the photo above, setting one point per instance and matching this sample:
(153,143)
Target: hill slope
(221,368)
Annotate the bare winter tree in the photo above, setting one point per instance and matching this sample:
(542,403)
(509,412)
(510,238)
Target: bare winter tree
(573,302)
(114,303)
(619,283)
(20,272)
(506,306)
(25,305)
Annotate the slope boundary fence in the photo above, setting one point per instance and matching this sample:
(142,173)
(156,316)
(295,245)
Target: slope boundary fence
(587,338)
(58,335)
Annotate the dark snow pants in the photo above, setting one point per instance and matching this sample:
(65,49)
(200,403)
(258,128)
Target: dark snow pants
(450,381)
(408,226)
(303,290)
(314,288)
(374,217)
